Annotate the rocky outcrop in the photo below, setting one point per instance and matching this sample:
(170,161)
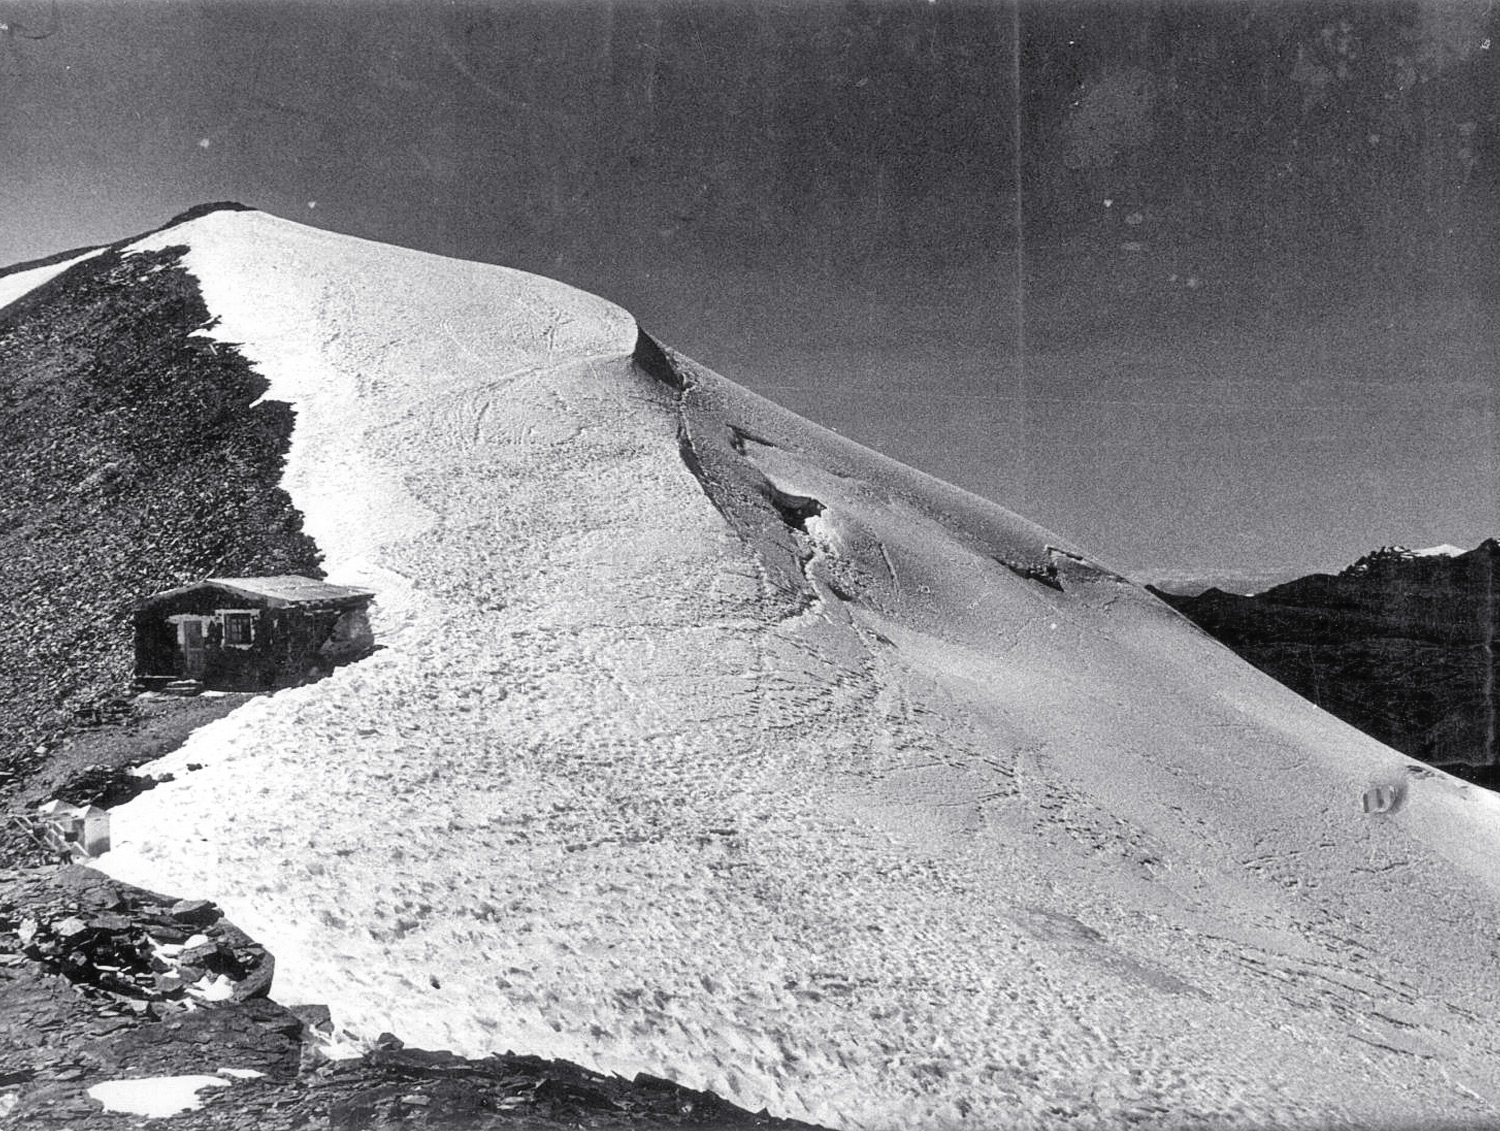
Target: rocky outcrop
(1401,644)
(137,457)
(102,982)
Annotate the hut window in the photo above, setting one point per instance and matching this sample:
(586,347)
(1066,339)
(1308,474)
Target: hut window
(237,629)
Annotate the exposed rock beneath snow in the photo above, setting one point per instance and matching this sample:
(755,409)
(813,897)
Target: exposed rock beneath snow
(506,1092)
(104,786)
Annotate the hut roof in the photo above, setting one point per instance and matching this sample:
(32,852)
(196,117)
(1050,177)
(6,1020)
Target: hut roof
(279,591)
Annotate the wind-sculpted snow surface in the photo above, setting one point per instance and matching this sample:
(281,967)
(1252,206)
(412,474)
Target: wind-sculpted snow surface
(706,743)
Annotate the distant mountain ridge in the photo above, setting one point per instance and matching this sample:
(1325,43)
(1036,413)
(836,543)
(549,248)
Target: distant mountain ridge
(1190,583)
(1399,644)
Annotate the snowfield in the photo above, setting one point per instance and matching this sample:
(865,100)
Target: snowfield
(706,743)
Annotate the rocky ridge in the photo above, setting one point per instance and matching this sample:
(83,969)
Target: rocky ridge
(136,457)
(1399,644)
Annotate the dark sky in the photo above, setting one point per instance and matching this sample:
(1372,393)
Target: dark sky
(1247,320)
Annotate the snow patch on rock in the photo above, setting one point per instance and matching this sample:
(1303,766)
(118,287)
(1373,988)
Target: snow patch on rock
(155,1097)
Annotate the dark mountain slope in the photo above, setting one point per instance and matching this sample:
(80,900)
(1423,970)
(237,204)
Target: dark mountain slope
(44,261)
(1399,645)
(131,460)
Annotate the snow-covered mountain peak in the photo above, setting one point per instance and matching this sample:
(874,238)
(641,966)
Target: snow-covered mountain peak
(351,332)
(706,743)
(1388,557)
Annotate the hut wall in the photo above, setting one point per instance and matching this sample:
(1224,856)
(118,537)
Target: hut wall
(158,641)
(287,646)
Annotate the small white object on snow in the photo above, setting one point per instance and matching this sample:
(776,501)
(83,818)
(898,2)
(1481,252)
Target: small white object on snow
(95,830)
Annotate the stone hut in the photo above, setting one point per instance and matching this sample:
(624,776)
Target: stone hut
(250,633)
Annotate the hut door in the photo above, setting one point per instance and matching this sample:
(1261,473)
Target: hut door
(192,649)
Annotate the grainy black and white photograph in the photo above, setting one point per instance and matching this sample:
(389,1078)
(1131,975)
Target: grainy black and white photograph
(838,565)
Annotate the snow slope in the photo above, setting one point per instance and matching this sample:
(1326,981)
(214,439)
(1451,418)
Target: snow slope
(709,744)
